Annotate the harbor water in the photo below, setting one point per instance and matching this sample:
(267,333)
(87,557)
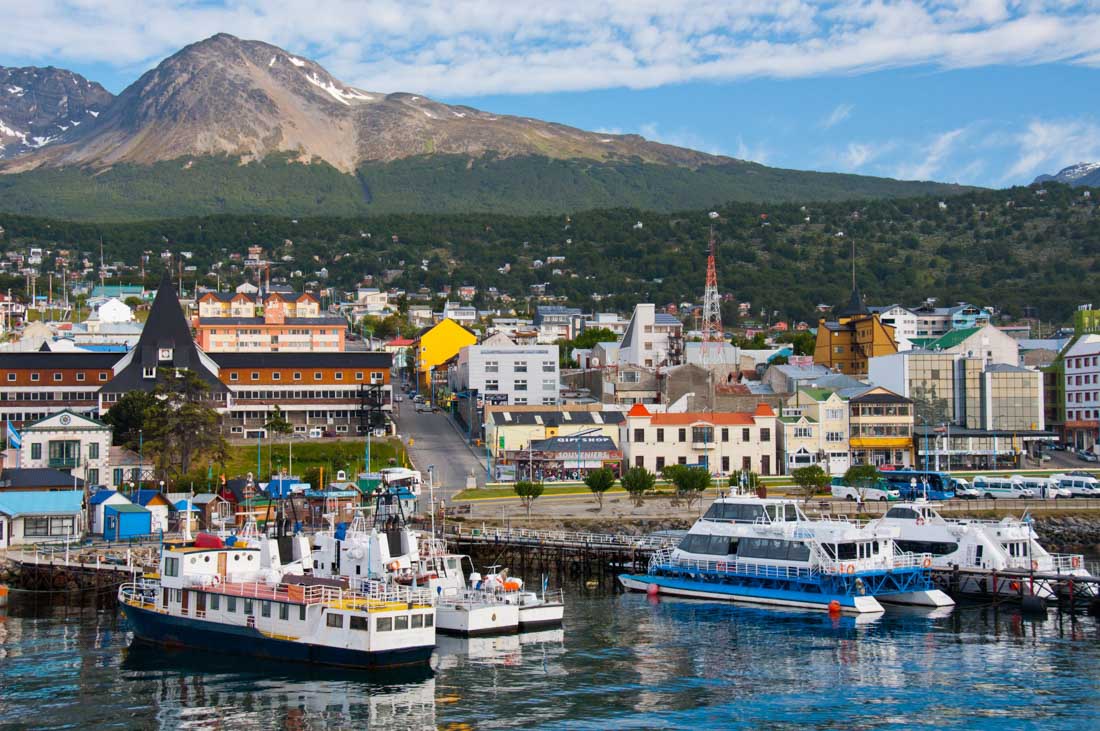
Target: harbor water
(622,661)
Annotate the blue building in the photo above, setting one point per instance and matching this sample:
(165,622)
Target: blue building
(126,521)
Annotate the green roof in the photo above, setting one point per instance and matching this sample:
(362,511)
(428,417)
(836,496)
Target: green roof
(126,508)
(818,394)
(951,338)
(796,419)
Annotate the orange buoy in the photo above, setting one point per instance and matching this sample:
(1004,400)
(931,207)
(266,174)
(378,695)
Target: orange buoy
(653,590)
(834,607)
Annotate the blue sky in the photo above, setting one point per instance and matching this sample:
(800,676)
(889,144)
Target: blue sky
(988,92)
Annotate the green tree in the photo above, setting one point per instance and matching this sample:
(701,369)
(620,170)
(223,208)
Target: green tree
(182,422)
(528,492)
(127,416)
(810,480)
(690,482)
(600,481)
(860,474)
(637,481)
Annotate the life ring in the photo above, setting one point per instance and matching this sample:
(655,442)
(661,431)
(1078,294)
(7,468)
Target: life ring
(851,568)
(920,521)
(1076,562)
(721,567)
(926,563)
(1034,565)
(215,580)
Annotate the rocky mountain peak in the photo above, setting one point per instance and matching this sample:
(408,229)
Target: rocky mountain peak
(39,106)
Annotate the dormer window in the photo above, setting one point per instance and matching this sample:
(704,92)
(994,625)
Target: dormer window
(165,354)
(149,372)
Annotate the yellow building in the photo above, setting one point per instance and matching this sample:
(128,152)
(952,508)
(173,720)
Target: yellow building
(436,345)
(845,344)
(880,424)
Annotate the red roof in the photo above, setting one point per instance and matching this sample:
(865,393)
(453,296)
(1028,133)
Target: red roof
(398,343)
(694,417)
(762,409)
(638,410)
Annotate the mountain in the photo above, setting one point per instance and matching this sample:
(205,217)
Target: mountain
(229,125)
(1081,174)
(39,105)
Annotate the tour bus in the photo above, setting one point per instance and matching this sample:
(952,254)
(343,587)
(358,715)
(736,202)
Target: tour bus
(992,488)
(1078,485)
(915,484)
(1043,487)
(878,491)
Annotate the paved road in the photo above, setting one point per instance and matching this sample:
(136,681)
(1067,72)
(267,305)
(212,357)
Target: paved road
(436,441)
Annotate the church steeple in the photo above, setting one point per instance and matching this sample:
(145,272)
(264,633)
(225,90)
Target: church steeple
(855,304)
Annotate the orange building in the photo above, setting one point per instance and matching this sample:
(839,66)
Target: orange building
(847,343)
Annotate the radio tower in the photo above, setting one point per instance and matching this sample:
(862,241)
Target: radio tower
(712,310)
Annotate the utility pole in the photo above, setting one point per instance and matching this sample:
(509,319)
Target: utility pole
(713,339)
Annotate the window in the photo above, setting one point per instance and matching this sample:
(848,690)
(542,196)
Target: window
(802,432)
(549,385)
(255,375)
(681,460)
(34,376)
(725,434)
(276,376)
(639,461)
(725,464)
(660,464)
(401,622)
(231,604)
(80,376)
(36,526)
(335,620)
(660,435)
(297,375)
(215,601)
(702,434)
(360,623)
(317,375)
(57,376)
(339,375)
(377,377)
(302,613)
(284,611)
(149,372)
(171,566)
(521,367)
(549,366)
(384,624)
(639,435)
(248,605)
(417,621)
(491,366)
(91,476)
(681,435)
(359,375)
(629,377)
(233,376)
(36,451)
(746,464)
(765,435)
(492,385)
(93,450)
(521,386)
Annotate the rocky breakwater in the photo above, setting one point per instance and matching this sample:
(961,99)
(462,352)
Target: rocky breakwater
(1070,533)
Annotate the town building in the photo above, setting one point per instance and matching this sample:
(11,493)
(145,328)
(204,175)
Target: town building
(815,431)
(721,442)
(513,428)
(985,342)
(555,322)
(272,332)
(69,442)
(880,426)
(652,339)
(846,344)
(505,373)
(566,457)
(28,517)
(97,503)
(436,345)
(1081,392)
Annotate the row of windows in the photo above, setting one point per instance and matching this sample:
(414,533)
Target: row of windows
(702,434)
(881,410)
(55,526)
(58,376)
(375,376)
(47,395)
(659,463)
(382,624)
(492,385)
(880,430)
(312,394)
(1081,362)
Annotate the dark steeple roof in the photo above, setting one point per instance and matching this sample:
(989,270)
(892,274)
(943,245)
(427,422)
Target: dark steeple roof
(855,305)
(165,330)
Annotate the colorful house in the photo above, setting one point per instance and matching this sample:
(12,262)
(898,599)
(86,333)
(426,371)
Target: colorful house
(846,344)
(121,522)
(881,428)
(36,517)
(436,345)
(97,502)
(157,504)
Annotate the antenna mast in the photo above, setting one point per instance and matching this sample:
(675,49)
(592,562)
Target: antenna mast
(712,309)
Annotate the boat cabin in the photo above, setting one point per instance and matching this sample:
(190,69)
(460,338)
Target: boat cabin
(732,510)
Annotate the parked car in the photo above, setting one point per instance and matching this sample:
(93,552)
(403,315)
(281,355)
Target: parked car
(992,488)
(1078,485)
(423,408)
(1087,455)
(418,399)
(963,489)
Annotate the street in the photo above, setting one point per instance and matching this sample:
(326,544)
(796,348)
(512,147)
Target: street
(433,439)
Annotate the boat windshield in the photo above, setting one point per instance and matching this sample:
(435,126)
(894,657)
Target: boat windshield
(751,512)
(713,545)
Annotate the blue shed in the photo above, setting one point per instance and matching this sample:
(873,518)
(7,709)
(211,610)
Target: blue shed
(126,521)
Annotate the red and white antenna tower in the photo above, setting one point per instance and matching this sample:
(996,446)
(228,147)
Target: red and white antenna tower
(712,310)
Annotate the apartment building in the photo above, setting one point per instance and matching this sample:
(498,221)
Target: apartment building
(815,431)
(73,443)
(1082,392)
(880,424)
(508,373)
(652,339)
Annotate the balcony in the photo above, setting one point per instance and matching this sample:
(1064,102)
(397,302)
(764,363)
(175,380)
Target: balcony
(704,445)
(62,463)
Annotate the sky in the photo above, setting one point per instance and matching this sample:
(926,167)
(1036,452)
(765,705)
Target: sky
(988,92)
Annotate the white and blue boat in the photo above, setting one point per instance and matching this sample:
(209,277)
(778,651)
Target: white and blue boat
(766,551)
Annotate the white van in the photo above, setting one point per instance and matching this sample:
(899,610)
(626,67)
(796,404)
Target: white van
(992,488)
(880,491)
(1043,487)
(1078,485)
(316,432)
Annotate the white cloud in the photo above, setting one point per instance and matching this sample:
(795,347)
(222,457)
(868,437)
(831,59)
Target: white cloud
(839,114)
(1049,146)
(934,156)
(473,47)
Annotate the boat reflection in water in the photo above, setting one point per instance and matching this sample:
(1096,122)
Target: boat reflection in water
(502,650)
(200,689)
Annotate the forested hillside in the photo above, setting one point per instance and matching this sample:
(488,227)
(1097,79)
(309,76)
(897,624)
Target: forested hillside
(1011,249)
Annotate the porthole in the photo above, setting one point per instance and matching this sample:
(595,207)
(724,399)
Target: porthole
(237,557)
(192,559)
(250,557)
(206,559)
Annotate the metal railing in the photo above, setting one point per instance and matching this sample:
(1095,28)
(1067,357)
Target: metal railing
(566,538)
(368,594)
(900,560)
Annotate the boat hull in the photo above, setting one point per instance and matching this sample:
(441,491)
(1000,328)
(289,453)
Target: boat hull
(749,594)
(475,621)
(548,614)
(164,629)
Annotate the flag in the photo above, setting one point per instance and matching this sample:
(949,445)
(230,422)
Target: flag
(15,441)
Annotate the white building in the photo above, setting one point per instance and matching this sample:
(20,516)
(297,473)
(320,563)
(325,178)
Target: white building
(505,373)
(70,442)
(723,442)
(464,315)
(902,319)
(114,310)
(652,339)
(1082,400)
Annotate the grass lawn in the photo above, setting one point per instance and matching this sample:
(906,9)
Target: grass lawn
(330,454)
